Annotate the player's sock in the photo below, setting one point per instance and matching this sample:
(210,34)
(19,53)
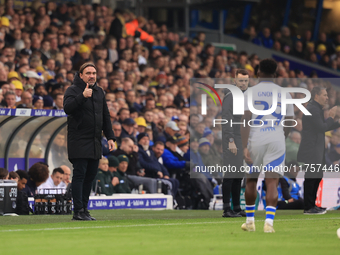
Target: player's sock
(250,213)
(270,214)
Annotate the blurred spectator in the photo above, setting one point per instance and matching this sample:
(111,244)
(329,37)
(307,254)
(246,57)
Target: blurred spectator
(292,146)
(66,177)
(22,206)
(123,185)
(3,174)
(53,181)
(103,181)
(38,174)
(13,176)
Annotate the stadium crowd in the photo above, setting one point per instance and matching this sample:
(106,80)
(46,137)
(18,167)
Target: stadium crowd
(324,51)
(145,71)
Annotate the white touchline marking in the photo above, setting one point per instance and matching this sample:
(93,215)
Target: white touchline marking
(152,225)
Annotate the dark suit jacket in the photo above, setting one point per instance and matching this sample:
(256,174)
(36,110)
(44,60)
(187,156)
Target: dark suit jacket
(312,147)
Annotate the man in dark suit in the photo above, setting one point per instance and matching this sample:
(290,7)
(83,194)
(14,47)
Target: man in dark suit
(232,155)
(312,147)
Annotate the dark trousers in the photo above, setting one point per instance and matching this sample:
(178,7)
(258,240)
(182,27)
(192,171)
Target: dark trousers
(310,186)
(295,205)
(233,186)
(232,180)
(175,186)
(84,172)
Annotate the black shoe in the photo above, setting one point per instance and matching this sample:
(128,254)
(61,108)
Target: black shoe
(320,208)
(230,214)
(80,215)
(314,211)
(242,213)
(87,213)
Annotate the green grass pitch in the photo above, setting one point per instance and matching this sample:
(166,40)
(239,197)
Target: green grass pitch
(169,232)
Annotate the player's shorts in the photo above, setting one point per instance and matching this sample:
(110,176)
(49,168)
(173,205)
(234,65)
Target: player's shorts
(267,158)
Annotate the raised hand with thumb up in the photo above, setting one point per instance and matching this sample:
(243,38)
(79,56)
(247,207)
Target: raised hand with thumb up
(87,91)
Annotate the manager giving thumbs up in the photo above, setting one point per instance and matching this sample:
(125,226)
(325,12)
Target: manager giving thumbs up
(87,91)
(87,119)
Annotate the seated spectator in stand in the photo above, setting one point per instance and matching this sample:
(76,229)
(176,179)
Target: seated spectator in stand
(292,146)
(170,129)
(173,161)
(3,174)
(123,186)
(117,129)
(135,172)
(127,128)
(289,195)
(26,100)
(103,181)
(66,177)
(10,99)
(38,174)
(38,102)
(264,39)
(113,164)
(150,163)
(123,114)
(54,181)
(58,101)
(13,176)
(22,207)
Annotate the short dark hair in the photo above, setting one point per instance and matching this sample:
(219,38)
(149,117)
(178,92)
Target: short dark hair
(316,91)
(57,170)
(22,174)
(3,173)
(158,142)
(38,172)
(268,66)
(122,109)
(13,175)
(241,71)
(87,64)
(56,95)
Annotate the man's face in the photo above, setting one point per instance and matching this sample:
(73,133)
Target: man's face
(194,121)
(57,178)
(322,99)
(5,88)
(59,101)
(185,148)
(22,184)
(117,129)
(144,142)
(170,131)
(89,75)
(124,115)
(26,98)
(10,100)
(242,81)
(148,117)
(67,175)
(59,140)
(158,150)
(205,149)
(51,64)
(150,104)
(131,97)
(127,147)
(123,166)
(112,169)
(194,146)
